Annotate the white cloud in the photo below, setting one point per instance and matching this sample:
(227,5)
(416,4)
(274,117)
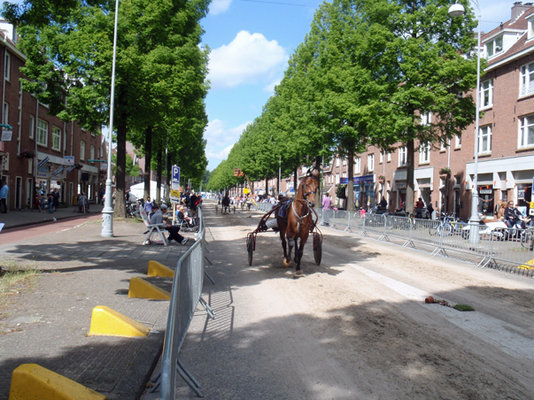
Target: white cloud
(248,58)
(220,141)
(219,6)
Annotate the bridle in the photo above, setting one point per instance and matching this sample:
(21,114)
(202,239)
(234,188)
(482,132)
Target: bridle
(306,202)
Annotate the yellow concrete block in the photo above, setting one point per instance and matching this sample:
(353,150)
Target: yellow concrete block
(107,322)
(157,269)
(528,265)
(140,288)
(33,382)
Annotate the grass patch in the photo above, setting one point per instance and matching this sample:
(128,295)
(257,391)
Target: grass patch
(463,307)
(12,274)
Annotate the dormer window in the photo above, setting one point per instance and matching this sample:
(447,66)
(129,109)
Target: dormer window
(530,30)
(494,46)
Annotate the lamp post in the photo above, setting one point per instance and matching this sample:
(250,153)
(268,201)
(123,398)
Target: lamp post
(457,10)
(107,211)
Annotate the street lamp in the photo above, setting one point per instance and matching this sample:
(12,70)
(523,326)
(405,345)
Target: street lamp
(457,10)
(107,211)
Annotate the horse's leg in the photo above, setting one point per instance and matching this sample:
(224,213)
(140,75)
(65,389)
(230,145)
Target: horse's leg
(287,261)
(291,243)
(299,251)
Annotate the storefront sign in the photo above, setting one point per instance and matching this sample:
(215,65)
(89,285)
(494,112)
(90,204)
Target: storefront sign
(358,180)
(68,160)
(486,191)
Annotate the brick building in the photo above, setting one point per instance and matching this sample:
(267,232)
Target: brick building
(42,151)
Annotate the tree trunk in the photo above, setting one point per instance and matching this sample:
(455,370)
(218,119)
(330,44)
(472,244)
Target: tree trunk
(120,203)
(266,186)
(410,158)
(148,161)
(350,183)
(159,169)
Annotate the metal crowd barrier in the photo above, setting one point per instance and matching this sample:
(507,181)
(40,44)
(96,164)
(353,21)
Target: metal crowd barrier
(185,297)
(507,249)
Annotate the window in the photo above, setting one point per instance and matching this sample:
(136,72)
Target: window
(82,150)
(443,144)
(426,118)
(526,132)
(424,153)
(458,142)
(494,46)
(337,179)
(486,93)
(7,66)
(338,162)
(56,138)
(403,153)
(31,129)
(344,161)
(527,79)
(42,132)
(92,152)
(484,140)
(530,30)
(389,157)
(370,162)
(381,157)
(357,165)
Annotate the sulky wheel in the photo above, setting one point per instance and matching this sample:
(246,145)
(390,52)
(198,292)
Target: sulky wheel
(250,248)
(317,247)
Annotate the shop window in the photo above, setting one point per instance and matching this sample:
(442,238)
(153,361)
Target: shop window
(403,153)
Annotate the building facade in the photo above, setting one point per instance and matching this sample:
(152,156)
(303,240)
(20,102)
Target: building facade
(38,150)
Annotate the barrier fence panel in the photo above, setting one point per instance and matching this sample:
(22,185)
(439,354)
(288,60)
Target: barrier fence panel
(185,296)
(513,250)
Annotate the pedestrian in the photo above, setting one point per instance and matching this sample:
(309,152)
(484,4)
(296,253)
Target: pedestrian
(55,193)
(50,202)
(4,189)
(37,200)
(148,206)
(83,203)
(419,207)
(173,232)
(327,202)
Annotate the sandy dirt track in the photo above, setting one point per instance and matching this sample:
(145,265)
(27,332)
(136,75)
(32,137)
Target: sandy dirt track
(355,327)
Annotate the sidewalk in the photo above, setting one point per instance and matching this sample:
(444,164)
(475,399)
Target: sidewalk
(46,319)
(26,217)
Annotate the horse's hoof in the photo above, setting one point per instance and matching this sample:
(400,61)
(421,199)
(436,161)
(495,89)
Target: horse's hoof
(298,274)
(287,263)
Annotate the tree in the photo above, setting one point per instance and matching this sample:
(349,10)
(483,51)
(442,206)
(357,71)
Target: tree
(416,51)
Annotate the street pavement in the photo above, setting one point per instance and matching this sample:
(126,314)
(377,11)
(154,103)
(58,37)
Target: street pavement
(45,319)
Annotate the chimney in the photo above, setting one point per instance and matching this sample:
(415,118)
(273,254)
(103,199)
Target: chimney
(519,8)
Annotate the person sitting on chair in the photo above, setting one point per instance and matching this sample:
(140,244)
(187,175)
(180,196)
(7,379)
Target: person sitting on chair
(173,232)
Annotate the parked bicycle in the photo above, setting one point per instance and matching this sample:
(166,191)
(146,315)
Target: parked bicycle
(447,226)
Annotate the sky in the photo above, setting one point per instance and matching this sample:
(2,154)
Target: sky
(251,42)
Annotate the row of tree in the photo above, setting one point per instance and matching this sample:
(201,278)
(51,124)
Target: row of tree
(365,74)
(160,79)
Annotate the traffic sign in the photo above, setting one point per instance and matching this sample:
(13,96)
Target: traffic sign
(175,184)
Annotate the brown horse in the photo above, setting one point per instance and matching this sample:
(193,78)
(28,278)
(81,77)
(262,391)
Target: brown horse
(299,221)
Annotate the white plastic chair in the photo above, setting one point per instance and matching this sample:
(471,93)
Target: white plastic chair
(158,228)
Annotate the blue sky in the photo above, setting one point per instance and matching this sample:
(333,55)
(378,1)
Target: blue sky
(251,42)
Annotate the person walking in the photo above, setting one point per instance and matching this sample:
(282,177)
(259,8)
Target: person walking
(327,202)
(4,189)
(51,202)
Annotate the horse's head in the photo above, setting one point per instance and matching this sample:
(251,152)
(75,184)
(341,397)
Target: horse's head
(310,183)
